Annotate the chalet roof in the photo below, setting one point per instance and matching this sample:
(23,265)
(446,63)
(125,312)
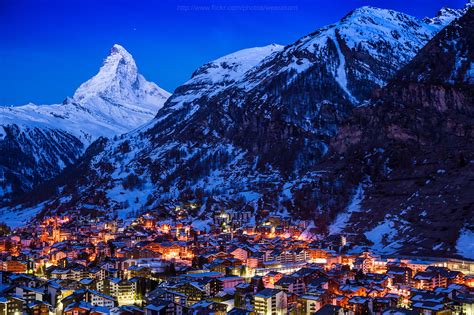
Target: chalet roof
(312,297)
(36,302)
(351,288)
(433,306)
(459,287)
(286,280)
(187,283)
(399,311)
(211,274)
(427,297)
(239,311)
(81,304)
(318,282)
(391,296)
(114,280)
(328,309)
(102,295)
(100,309)
(467,298)
(131,308)
(358,300)
(425,275)
(243,285)
(273,274)
(227,278)
(86,281)
(54,284)
(158,307)
(305,271)
(205,304)
(267,293)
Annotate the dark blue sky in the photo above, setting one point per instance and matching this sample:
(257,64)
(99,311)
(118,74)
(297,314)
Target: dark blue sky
(47,48)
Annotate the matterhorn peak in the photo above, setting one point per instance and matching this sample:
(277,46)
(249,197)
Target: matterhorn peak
(119,58)
(119,49)
(117,75)
(118,84)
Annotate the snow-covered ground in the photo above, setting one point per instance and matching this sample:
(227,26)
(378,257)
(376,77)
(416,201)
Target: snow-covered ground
(382,236)
(19,217)
(342,218)
(465,243)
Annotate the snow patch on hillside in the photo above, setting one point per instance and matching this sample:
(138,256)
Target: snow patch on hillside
(383,236)
(19,217)
(341,76)
(343,218)
(465,243)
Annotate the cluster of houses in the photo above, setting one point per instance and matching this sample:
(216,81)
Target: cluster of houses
(231,265)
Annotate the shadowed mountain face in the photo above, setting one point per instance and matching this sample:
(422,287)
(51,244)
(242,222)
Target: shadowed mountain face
(412,150)
(252,129)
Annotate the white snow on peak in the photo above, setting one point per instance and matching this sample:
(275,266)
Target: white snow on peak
(341,76)
(214,76)
(369,30)
(119,67)
(446,16)
(118,80)
(367,26)
(232,67)
(116,100)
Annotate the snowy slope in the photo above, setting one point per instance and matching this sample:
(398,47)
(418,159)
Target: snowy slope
(355,50)
(216,76)
(465,243)
(232,67)
(37,141)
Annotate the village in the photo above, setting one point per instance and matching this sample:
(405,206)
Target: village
(230,265)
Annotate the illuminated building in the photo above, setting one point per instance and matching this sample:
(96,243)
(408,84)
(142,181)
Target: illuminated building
(271,302)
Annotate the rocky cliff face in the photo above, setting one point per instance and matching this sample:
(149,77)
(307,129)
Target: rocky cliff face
(411,151)
(37,142)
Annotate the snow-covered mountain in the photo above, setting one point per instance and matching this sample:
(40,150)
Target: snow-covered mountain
(293,100)
(446,15)
(249,130)
(408,157)
(215,76)
(37,141)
